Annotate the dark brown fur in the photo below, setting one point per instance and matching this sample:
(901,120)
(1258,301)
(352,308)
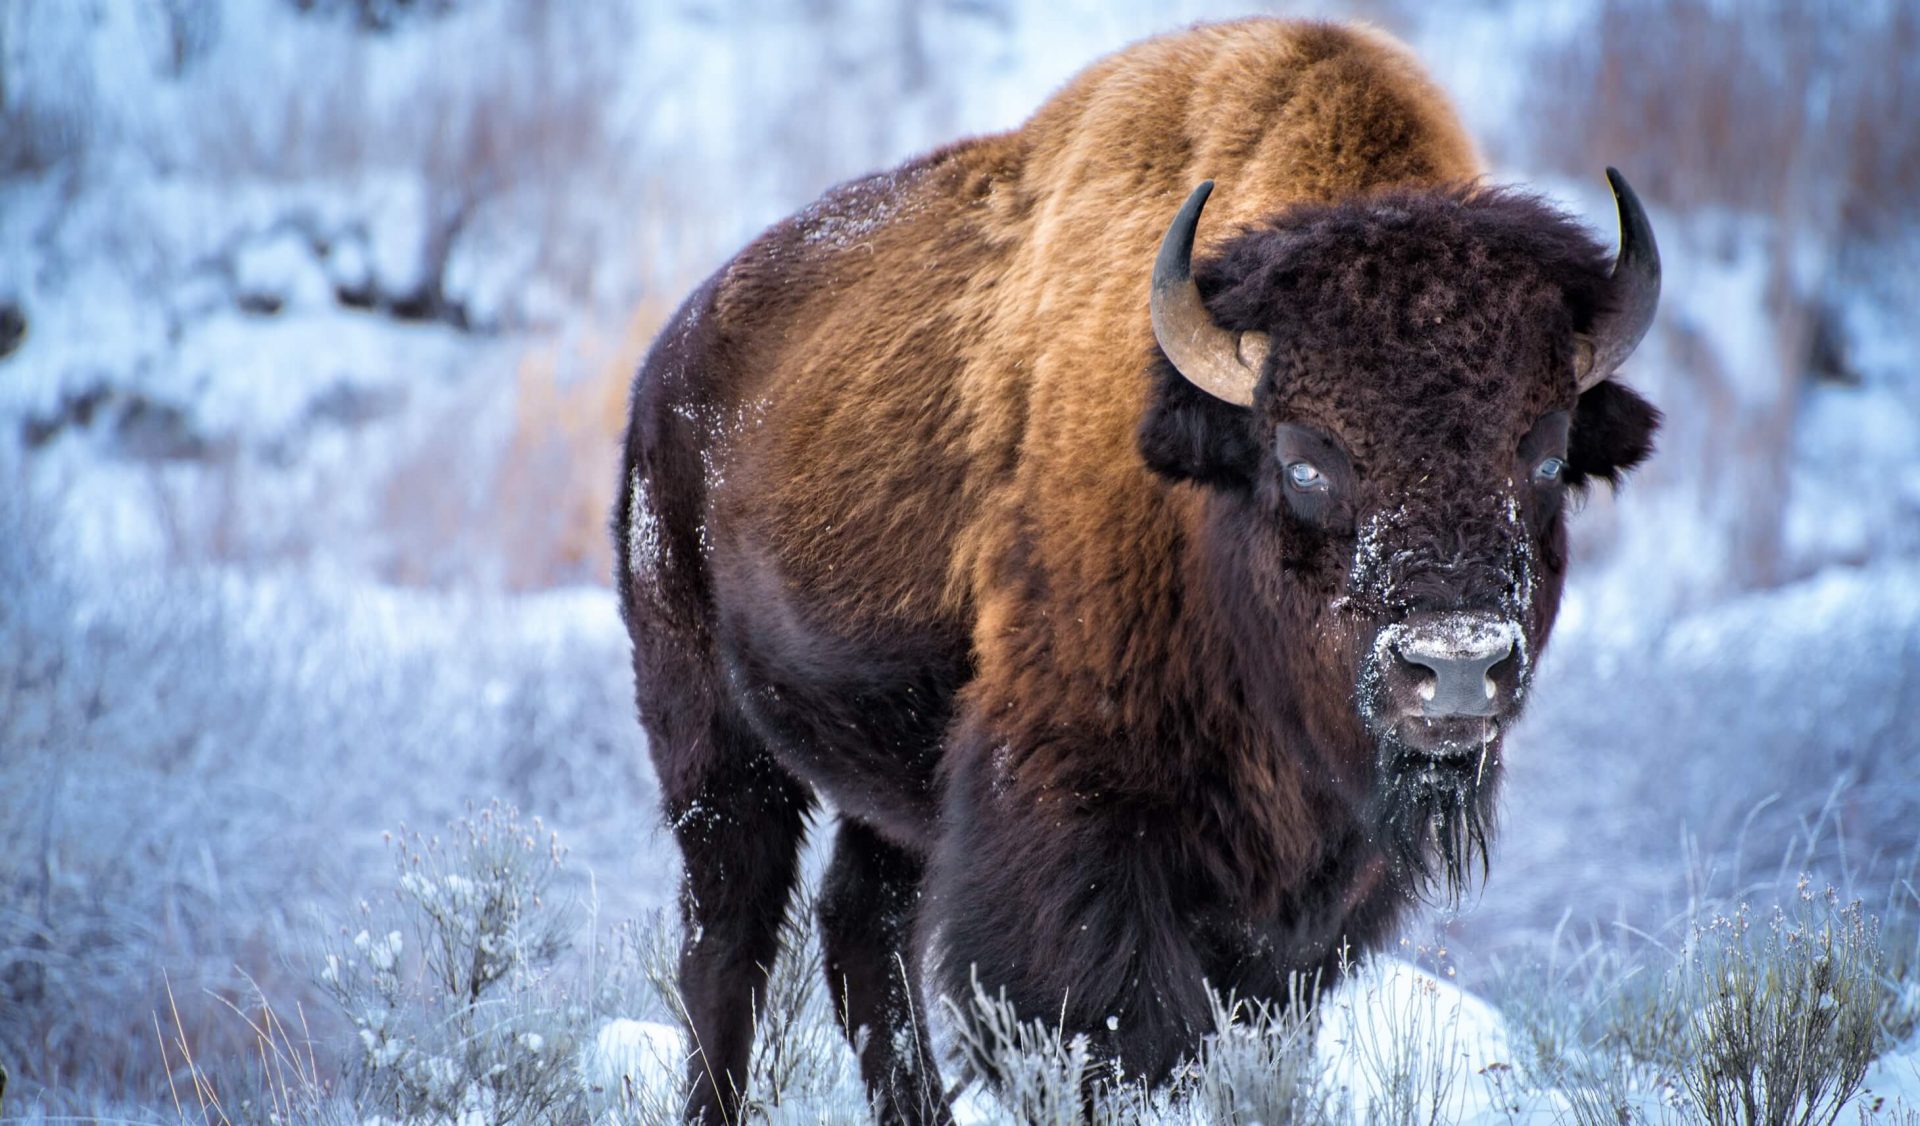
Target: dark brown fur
(916,519)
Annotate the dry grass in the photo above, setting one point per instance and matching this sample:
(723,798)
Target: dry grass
(521,501)
(555,485)
(283,1081)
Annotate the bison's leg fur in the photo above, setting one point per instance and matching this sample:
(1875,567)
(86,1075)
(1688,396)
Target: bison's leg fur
(739,822)
(873,975)
(1084,923)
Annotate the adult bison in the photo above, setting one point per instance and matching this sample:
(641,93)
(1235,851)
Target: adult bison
(1146,628)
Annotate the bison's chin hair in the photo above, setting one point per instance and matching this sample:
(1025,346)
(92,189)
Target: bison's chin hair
(1432,819)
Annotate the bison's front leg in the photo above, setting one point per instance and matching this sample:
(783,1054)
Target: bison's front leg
(1070,906)
(867,909)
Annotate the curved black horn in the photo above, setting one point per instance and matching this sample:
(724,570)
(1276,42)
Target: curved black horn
(1635,290)
(1224,364)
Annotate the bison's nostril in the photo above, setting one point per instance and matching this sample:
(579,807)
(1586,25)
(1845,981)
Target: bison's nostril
(1494,669)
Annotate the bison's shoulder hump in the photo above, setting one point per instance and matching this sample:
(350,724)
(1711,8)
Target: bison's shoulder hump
(1273,110)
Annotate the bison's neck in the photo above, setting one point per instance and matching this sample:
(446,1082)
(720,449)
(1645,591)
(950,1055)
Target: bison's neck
(1168,676)
(1281,736)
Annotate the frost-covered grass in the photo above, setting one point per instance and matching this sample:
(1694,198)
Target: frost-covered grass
(1741,1015)
(458,1007)
(249,719)
(129,946)
(193,764)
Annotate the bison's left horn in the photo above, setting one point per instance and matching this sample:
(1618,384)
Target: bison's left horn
(1224,364)
(1635,292)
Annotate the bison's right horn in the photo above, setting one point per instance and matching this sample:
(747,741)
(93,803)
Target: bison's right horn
(1224,364)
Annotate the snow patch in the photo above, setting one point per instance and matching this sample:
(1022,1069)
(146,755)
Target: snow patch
(279,272)
(1390,1026)
(646,547)
(644,1053)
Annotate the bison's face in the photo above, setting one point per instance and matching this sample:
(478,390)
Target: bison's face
(1401,395)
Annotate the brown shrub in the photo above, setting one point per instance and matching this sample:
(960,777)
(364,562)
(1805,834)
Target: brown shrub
(1789,111)
(556,479)
(1785,108)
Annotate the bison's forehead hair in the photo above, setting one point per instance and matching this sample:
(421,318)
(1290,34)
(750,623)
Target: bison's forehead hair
(1396,305)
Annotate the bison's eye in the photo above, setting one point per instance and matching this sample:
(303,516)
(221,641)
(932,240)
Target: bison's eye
(1549,471)
(1305,477)
(1316,482)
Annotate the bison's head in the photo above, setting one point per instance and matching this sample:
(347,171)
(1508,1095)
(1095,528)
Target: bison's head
(1391,400)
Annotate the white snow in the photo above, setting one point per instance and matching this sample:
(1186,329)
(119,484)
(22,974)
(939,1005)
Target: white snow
(1891,1088)
(640,1052)
(1390,1025)
(1452,636)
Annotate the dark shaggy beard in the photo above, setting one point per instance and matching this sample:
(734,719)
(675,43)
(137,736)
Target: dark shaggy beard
(1432,819)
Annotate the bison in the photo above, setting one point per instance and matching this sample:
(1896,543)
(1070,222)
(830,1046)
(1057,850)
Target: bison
(1149,621)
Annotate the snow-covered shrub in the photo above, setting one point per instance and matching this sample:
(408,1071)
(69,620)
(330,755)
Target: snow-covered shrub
(464,1010)
(1259,1066)
(1041,1076)
(467,1020)
(1784,1011)
(1740,1015)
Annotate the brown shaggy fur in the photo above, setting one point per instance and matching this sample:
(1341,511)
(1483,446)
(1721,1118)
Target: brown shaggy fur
(916,519)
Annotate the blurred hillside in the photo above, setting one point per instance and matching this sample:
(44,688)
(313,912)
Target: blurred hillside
(280,265)
(316,320)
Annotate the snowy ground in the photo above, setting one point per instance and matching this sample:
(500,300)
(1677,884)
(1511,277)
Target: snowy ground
(1387,1024)
(308,441)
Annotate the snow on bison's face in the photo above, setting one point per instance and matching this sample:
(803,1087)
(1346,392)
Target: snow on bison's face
(1394,396)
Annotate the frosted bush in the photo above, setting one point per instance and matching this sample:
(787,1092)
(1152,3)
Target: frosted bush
(1761,1016)
(1784,1011)
(1259,1066)
(467,1021)
(1039,1074)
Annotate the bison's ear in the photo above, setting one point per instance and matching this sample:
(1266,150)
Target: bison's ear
(1189,435)
(1612,432)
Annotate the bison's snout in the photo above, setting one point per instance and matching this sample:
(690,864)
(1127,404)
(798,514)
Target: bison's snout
(1438,667)
(1453,665)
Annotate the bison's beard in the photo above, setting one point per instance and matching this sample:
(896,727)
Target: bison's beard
(1432,817)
